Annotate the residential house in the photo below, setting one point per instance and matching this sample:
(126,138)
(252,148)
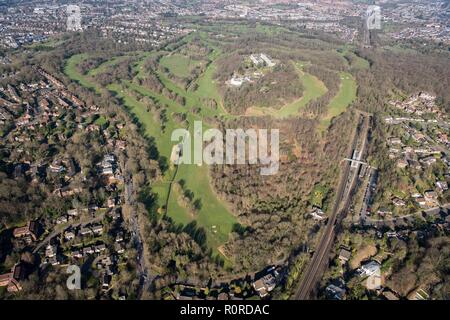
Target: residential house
(72,212)
(402,163)
(115,214)
(61,220)
(390,295)
(264,285)
(119,237)
(111,203)
(106,281)
(223,296)
(398,202)
(56,167)
(428,160)
(52,260)
(344,255)
(88,250)
(31,229)
(317,214)
(421,201)
(67,191)
(11,280)
(442,186)
(418,294)
(100,248)
(395,140)
(431,197)
(85,231)
(119,248)
(391,234)
(97,229)
(106,261)
(50,251)
(76,254)
(5,279)
(14,286)
(369,268)
(69,235)
(335,292)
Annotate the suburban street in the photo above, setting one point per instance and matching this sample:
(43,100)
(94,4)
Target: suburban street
(61,229)
(431,212)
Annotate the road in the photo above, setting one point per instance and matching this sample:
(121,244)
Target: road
(346,185)
(440,148)
(59,229)
(428,212)
(368,194)
(142,270)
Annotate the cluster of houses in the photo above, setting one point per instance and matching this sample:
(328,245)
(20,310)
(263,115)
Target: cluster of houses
(371,275)
(26,235)
(28,109)
(369,272)
(31,108)
(314,11)
(423,20)
(418,155)
(80,232)
(416,150)
(68,244)
(429,199)
(418,104)
(150,32)
(81,242)
(22,24)
(372,269)
(260,286)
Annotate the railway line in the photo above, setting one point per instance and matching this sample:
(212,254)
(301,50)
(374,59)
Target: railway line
(342,203)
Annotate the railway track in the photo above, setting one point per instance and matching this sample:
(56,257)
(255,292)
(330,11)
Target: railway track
(343,196)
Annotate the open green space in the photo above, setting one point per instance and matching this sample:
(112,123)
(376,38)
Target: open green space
(345,96)
(313,88)
(354,61)
(179,65)
(103,67)
(214,215)
(318,196)
(72,72)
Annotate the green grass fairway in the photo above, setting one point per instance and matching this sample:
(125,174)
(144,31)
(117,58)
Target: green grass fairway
(352,59)
(102,67)
(206,84)
(345,96)
(72,72)
(214,215)
(179,65)
(313,89)
(213,212)
(360,63)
